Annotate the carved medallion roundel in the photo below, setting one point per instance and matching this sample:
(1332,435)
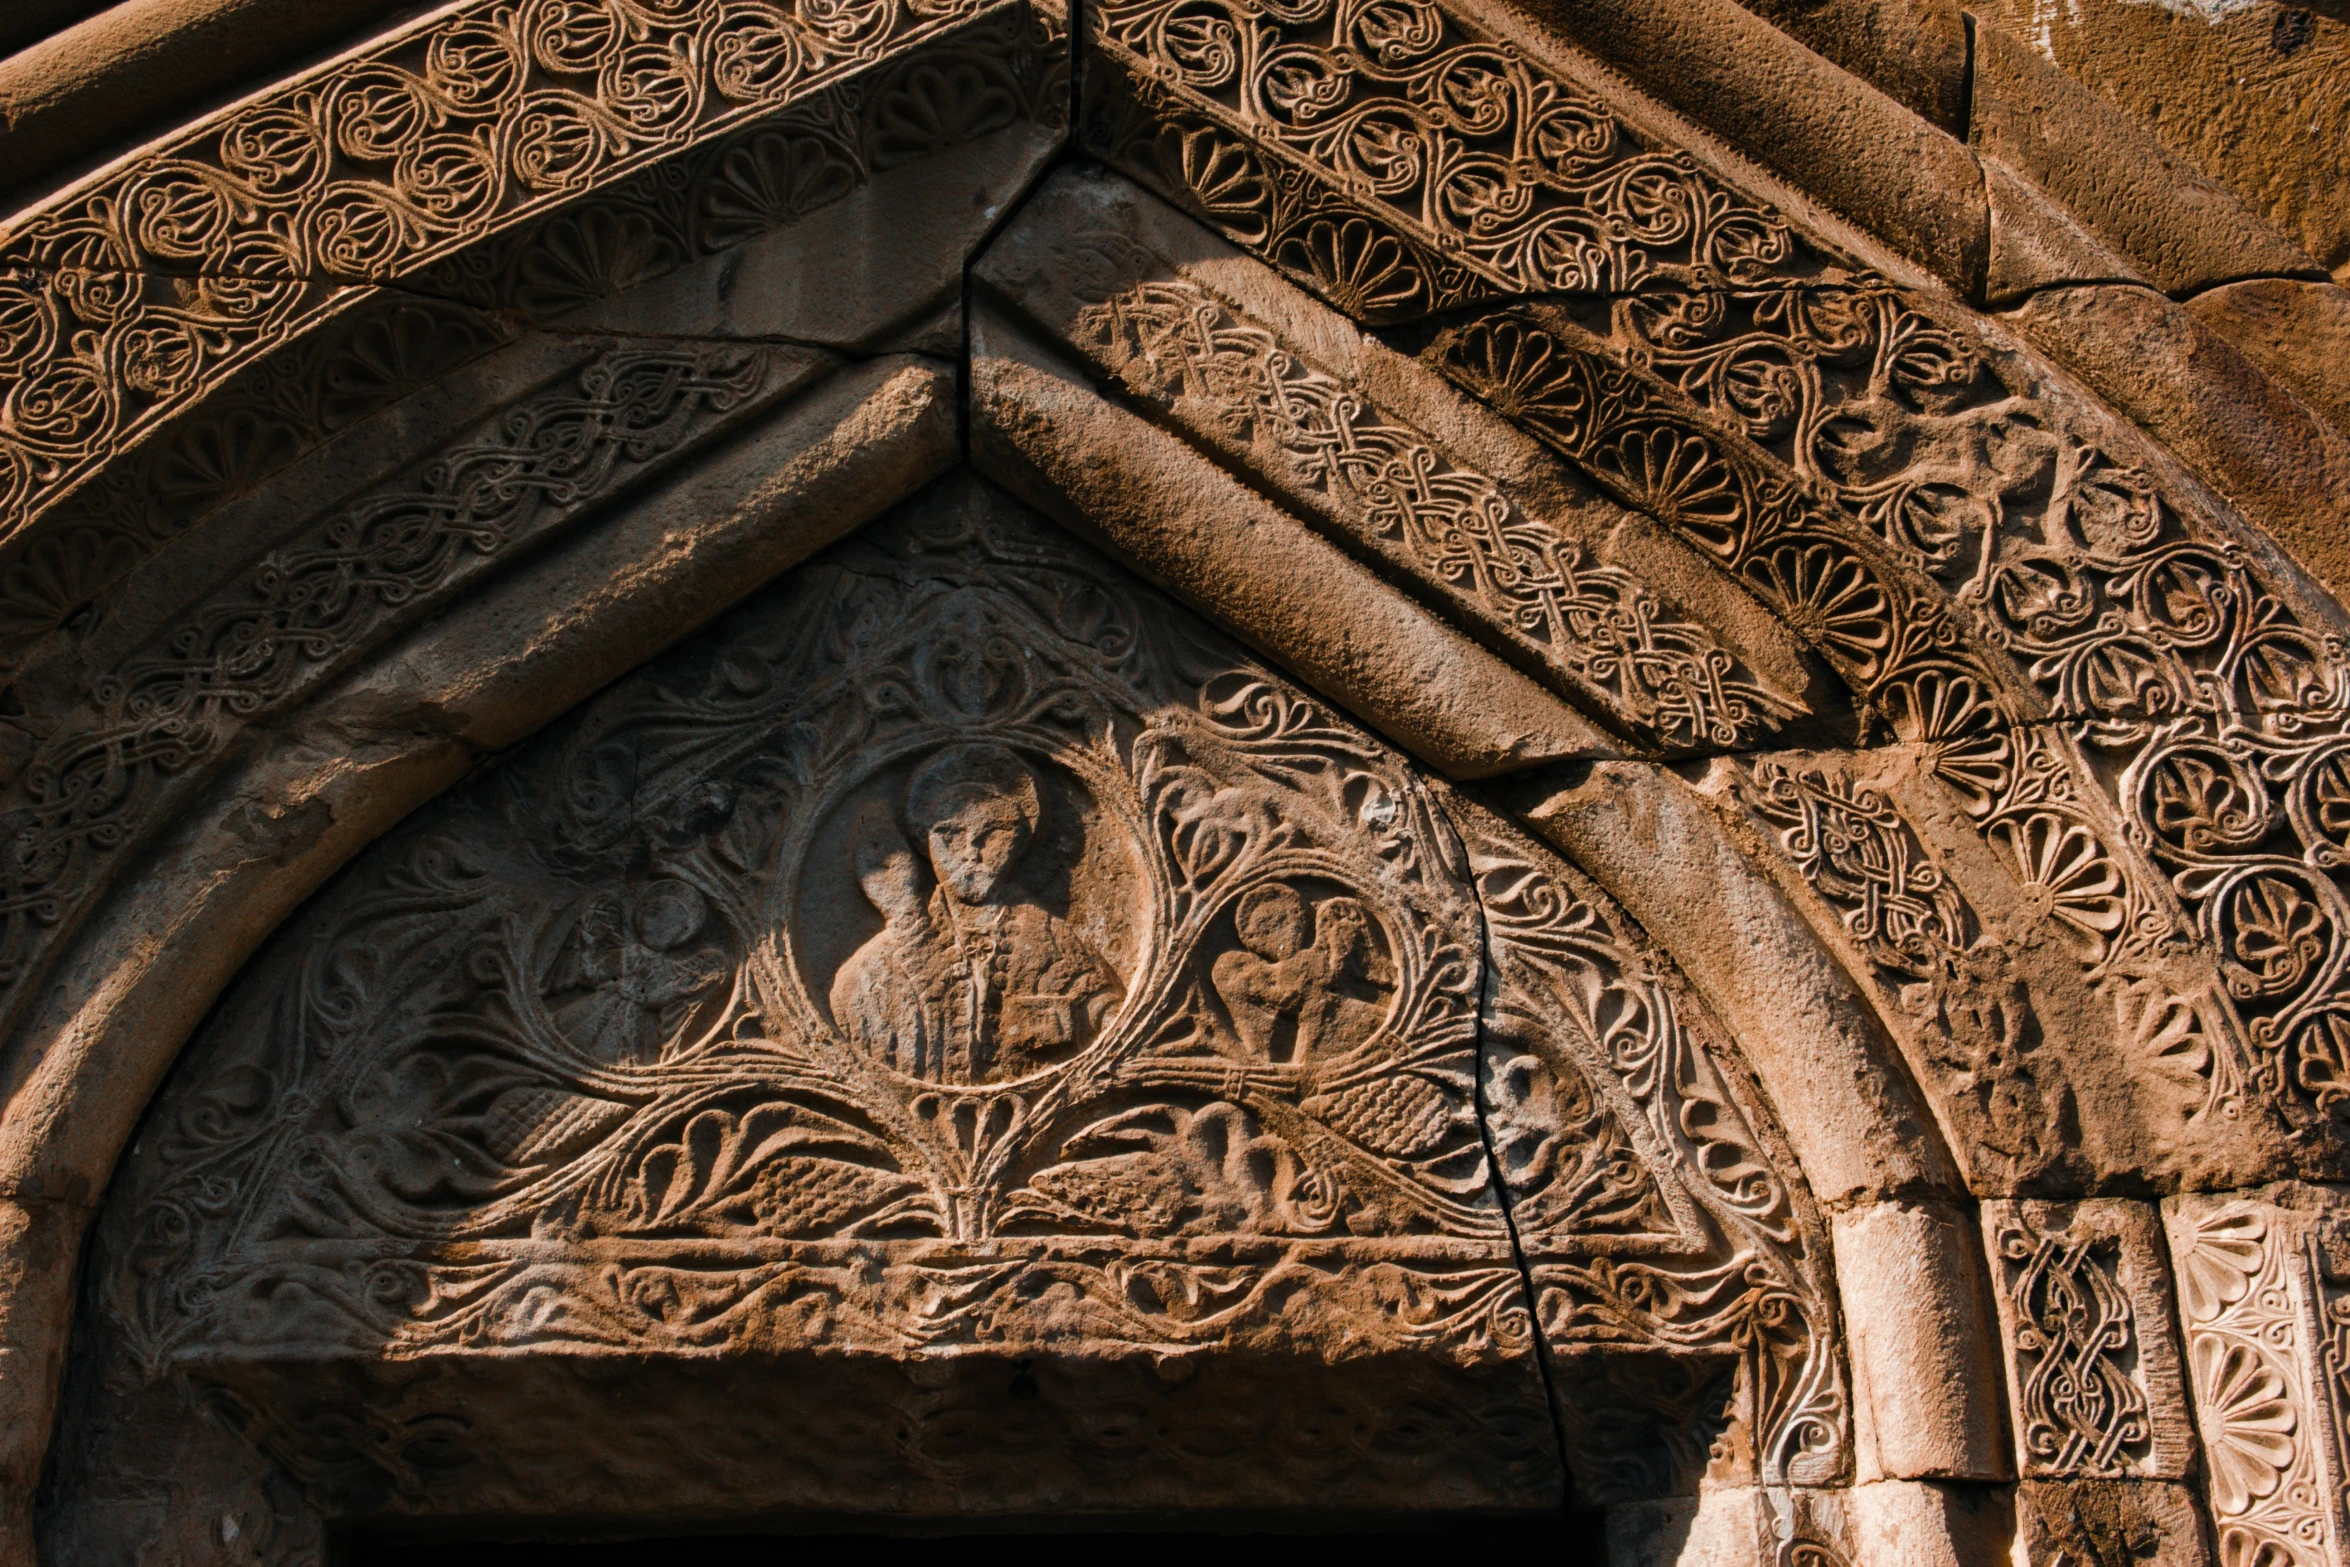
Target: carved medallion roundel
(945,952)
(962,952)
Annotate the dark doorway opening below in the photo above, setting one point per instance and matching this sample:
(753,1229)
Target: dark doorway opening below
(1539,1540)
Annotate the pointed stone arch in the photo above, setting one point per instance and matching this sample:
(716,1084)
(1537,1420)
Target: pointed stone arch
(482,1131)
(1795,654)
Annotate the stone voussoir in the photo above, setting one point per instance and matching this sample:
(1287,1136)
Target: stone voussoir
(1478,521)
(1186,523)
(2183,229)
(1920,1336)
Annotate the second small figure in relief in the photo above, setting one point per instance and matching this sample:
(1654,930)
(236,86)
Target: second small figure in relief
(977,981)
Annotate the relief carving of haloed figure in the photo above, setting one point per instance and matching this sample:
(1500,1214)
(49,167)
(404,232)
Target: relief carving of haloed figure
(973,980)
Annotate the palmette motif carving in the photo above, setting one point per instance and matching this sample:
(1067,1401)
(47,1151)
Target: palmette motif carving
(1594,627)
(962,948)
(1970,551)
(1909,654)
(703,123)
(1644,1180)
(2260,1304)
(96,787)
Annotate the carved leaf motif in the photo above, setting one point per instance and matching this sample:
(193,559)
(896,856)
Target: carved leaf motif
(1858,455)
(2251,1424)
(962,900)
(2251,1355)
(1641,1173)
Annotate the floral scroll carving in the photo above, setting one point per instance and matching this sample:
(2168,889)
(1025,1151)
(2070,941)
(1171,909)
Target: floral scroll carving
(1601,1072)
(137,293)
(984,921)
(1973,549)
(1403,160)
(961,949)
(251,423)
(95,787)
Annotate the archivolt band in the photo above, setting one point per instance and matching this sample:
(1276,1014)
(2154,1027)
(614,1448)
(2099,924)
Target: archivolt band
(942,763)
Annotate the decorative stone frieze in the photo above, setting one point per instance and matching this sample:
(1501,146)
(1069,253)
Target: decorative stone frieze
(2092,1358)
(2264,1299)
(108,771)
(132,298)
(1087,863)
(1599,1064)
(1162,506)
(1970,544)
(1695,881)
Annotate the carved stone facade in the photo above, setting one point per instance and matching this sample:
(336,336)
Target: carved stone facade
(962,958)
(2262,1301)
(1181,759)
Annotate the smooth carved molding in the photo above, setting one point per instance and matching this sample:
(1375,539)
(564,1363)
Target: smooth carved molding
(2264,1299)
(107,775)
(2092,1362)
(697,124)
(1973,549)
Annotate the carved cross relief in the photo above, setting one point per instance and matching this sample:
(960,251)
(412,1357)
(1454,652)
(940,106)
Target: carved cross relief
(964,951)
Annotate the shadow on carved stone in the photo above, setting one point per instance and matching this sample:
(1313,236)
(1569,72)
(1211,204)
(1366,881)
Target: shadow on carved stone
(962,1024)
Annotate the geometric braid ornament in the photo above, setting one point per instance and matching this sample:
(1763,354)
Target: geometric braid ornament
(961,948)
(2148,726)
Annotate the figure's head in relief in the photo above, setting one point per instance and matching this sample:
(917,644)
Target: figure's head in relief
(970,979)
(1272,921)
(887,870)
(976,807)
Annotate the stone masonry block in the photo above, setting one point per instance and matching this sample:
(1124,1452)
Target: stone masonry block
(2085,1324)
(1926,1382)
